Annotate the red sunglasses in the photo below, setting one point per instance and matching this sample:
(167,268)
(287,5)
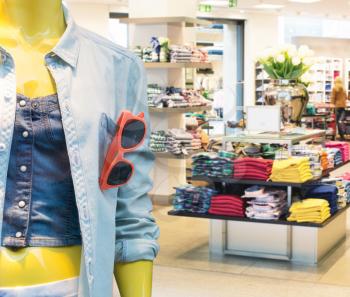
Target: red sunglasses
(131,132)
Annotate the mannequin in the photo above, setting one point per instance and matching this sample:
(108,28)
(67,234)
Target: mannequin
(29,29)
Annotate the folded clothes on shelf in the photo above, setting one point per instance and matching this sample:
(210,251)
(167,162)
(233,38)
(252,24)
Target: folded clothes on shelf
(193,199)
(265,204)
(158,141)
(309,210)
(323,191)
(252,168)
(174,97)
(175,141)
(227,205)
(314,154)
(292,170)
(334,156)
(213,164)
(343,146)
(187,54)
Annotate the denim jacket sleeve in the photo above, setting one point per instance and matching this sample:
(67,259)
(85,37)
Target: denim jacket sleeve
(136,230)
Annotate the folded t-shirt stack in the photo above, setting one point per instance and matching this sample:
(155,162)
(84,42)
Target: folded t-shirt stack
(323,191)
(252,168)
(334,157)
(313,155)
(158,141)
(179,141)
(324,160)
(346,184)
(265,204)
(310,211)
(212,164)
(292,170)
(193,199)
(227,205)
(180,54)
(343,146)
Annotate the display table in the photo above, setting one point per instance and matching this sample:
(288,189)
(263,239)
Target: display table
(305,243)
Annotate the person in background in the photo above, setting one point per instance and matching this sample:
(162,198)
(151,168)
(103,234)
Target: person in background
(338,99)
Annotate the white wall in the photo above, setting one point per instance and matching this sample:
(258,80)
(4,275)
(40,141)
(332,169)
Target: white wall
(262,31)
(94,17)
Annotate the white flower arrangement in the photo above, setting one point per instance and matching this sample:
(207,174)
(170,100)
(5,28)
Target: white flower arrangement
(286,61)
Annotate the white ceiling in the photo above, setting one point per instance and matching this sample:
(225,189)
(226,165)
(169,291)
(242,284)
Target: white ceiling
(324,8)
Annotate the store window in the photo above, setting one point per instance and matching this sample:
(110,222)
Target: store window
(313,27)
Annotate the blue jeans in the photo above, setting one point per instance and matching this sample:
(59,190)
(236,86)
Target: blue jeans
(340,115)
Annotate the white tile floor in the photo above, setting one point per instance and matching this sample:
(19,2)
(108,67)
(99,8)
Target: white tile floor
(184,268)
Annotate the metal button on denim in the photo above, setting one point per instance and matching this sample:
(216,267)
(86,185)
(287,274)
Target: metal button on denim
(2,147)
(39,151)
(22,103)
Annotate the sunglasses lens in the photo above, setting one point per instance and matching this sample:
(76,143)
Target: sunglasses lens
(133,133)
(120,174)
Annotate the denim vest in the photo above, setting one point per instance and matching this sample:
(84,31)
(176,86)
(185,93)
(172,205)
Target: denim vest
(40,207)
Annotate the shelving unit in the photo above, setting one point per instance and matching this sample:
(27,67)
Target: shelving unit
(282,221)
(159,65)
(180,110)
(262,81)
(347,77)
(324,72)
(169,170)
(167,155)
(187,21)
(305,243)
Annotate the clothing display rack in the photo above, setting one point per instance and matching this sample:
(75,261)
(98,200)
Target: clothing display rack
(305,243)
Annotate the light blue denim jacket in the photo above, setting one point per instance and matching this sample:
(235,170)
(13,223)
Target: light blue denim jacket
(95,81)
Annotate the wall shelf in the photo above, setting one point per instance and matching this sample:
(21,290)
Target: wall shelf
(180,109)
(189,22)
(159,65)
(168,155)
(248,220)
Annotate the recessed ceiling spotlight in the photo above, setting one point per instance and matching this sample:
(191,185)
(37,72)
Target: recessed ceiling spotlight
(268,6)
(304,1)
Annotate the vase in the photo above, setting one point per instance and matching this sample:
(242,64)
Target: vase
(291,96)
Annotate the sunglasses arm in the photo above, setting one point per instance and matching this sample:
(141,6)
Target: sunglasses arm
(134,279)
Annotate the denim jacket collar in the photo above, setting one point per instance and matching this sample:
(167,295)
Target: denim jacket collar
(69,45)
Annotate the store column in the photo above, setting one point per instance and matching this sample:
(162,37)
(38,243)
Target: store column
(167,173)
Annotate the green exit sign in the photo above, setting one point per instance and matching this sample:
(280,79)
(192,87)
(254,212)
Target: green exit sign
(232,3)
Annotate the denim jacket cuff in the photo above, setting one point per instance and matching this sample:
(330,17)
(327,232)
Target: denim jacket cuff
(133,250)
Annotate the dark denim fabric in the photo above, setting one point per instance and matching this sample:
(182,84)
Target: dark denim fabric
(40,207)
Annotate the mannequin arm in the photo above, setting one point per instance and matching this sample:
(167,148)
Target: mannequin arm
(134,279)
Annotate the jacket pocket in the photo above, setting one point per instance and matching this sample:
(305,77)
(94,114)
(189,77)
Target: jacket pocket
(107,131)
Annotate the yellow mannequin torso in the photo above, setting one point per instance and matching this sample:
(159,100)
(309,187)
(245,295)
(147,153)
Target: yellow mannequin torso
(28,39)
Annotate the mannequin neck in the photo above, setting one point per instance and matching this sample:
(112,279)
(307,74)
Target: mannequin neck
(35,20)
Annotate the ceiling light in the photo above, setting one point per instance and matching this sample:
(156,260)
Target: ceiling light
(268,6)
(304,1)
(222,3)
